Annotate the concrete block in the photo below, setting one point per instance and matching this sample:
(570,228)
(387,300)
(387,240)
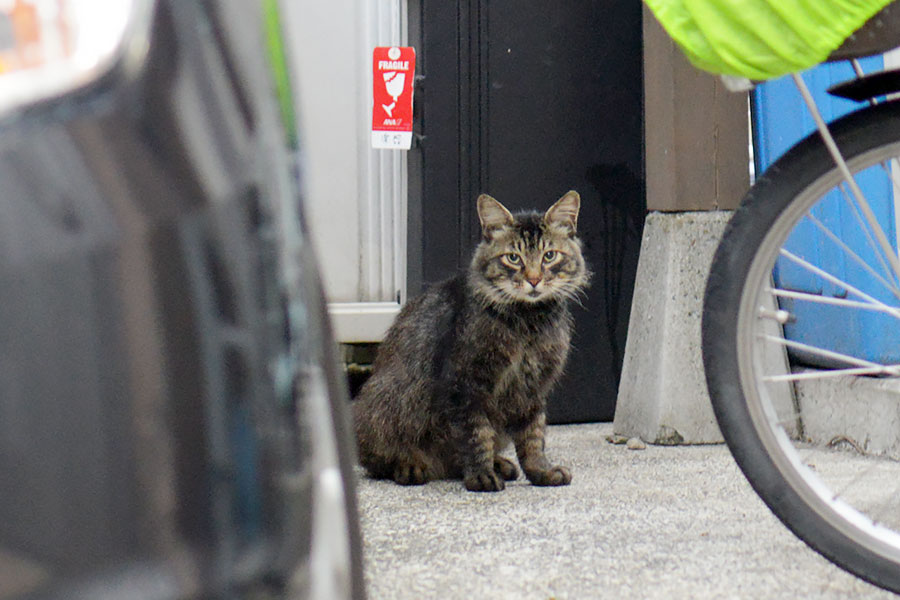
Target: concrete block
(862,413)
(662,393)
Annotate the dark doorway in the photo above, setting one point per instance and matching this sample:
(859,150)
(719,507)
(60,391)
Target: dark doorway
(526,99)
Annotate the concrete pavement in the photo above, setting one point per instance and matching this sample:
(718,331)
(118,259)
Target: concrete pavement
(664,522)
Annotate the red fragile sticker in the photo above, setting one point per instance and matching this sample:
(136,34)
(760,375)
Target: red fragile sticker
(393,74)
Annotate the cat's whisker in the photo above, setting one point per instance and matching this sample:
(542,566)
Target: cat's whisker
(576,299)
(573,294)
(579,297)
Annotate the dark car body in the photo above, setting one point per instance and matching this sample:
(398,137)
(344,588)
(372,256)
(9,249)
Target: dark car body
(172,419)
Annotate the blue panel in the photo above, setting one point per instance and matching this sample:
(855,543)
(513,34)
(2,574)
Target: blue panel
(780,121)
(781,118)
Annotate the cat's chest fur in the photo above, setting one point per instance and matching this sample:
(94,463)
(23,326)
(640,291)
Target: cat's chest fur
(524,353)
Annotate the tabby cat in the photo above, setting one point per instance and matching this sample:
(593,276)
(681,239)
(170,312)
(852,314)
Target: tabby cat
(467,366)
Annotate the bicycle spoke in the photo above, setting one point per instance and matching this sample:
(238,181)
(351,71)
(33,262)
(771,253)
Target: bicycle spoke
(831,278)
(891,286)
(848,177)
(831,300)
(833,373)
(873,245)
(858,70)
(846,358)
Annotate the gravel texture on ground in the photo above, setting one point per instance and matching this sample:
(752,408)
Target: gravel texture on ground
(659,522)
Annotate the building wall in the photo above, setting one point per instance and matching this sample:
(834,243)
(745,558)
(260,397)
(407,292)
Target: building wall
(356,196)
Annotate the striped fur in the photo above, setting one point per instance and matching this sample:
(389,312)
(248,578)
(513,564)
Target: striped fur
(467,366)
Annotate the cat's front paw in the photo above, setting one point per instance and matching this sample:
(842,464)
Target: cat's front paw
(552,476)
(505,468)
(483,481)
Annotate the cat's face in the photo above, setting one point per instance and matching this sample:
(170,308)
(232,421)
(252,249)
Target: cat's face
(529,257)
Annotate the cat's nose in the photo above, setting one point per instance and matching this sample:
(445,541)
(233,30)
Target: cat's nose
(534,281)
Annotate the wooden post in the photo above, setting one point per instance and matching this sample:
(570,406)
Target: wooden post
(697,163)
(695,131)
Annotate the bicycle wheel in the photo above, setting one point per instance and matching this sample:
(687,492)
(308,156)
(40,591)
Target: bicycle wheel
(801,344)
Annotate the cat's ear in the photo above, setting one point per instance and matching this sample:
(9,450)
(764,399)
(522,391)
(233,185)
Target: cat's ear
(565,212)
(493,216)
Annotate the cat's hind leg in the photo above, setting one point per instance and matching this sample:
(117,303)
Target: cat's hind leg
(416,467)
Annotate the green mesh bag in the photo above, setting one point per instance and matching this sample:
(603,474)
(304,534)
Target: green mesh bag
(761,39)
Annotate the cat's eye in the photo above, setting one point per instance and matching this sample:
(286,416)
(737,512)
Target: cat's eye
(513,259)
(549,256)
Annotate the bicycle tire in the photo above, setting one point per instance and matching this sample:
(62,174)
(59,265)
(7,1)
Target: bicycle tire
(771,449)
